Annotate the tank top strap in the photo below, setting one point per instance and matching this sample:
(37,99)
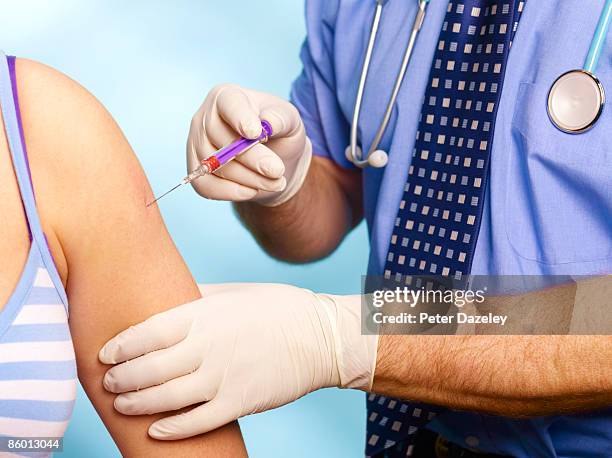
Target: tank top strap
(9,103)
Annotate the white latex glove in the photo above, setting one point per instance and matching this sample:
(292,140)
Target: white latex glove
(269,174)
(242,349)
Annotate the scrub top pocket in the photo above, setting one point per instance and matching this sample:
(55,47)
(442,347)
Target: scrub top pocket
(567,185)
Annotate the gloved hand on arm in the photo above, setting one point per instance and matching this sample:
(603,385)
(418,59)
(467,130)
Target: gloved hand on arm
(269,174)
(241,349)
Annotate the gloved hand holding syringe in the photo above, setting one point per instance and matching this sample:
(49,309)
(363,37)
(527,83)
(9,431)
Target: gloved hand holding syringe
(222,157)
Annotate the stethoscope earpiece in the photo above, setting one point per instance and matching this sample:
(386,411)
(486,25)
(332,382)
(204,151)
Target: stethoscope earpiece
(349,156)
(378,159)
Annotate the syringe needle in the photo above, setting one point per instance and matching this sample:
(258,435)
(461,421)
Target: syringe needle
(166,193)
(198,172)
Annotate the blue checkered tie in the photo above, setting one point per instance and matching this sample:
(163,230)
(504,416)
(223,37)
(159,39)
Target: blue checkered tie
(439,216)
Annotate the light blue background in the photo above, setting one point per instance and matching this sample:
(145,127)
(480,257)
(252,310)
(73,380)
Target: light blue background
(151,64)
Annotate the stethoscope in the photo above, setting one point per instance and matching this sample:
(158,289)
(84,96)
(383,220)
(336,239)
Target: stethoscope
(377,157)
(577,97)
(575,100)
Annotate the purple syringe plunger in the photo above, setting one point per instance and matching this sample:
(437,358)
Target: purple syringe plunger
(223,156)
(241,145)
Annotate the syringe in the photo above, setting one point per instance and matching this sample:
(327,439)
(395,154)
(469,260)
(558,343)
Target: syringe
(222,157)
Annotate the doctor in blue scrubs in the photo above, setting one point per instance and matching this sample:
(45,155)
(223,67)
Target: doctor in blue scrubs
(470,177)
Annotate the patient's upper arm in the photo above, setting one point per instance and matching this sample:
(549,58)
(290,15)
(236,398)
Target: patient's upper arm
(115,255)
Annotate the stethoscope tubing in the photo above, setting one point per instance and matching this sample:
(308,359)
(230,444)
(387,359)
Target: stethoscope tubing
(599,38)
(418,22)
(357,157)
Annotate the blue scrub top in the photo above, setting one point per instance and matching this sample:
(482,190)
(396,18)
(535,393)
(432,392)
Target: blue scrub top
(548,207)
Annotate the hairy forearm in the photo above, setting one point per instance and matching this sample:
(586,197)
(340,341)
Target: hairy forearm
(313,223)
(503,375)
(514,375)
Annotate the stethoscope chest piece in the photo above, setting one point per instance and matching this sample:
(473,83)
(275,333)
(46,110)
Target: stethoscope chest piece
(575,101)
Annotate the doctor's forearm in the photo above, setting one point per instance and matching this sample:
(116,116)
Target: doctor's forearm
(502,375)
(312,224)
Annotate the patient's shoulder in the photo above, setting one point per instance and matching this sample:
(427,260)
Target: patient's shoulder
(59,115)
(40,80)
(70,132)
(84,171)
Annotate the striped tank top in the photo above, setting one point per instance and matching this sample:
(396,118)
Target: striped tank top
(37,363)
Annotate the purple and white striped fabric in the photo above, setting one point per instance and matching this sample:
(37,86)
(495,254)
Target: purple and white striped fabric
(38,377)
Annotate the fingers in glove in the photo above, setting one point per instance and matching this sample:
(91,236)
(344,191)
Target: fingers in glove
(202,419)
(262,160)
(152,369)
(238,173)
(199,147)
(235,108)
(284,119)
(218,132)
(159,331)
(217,188)
(267,167)
(172,395)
